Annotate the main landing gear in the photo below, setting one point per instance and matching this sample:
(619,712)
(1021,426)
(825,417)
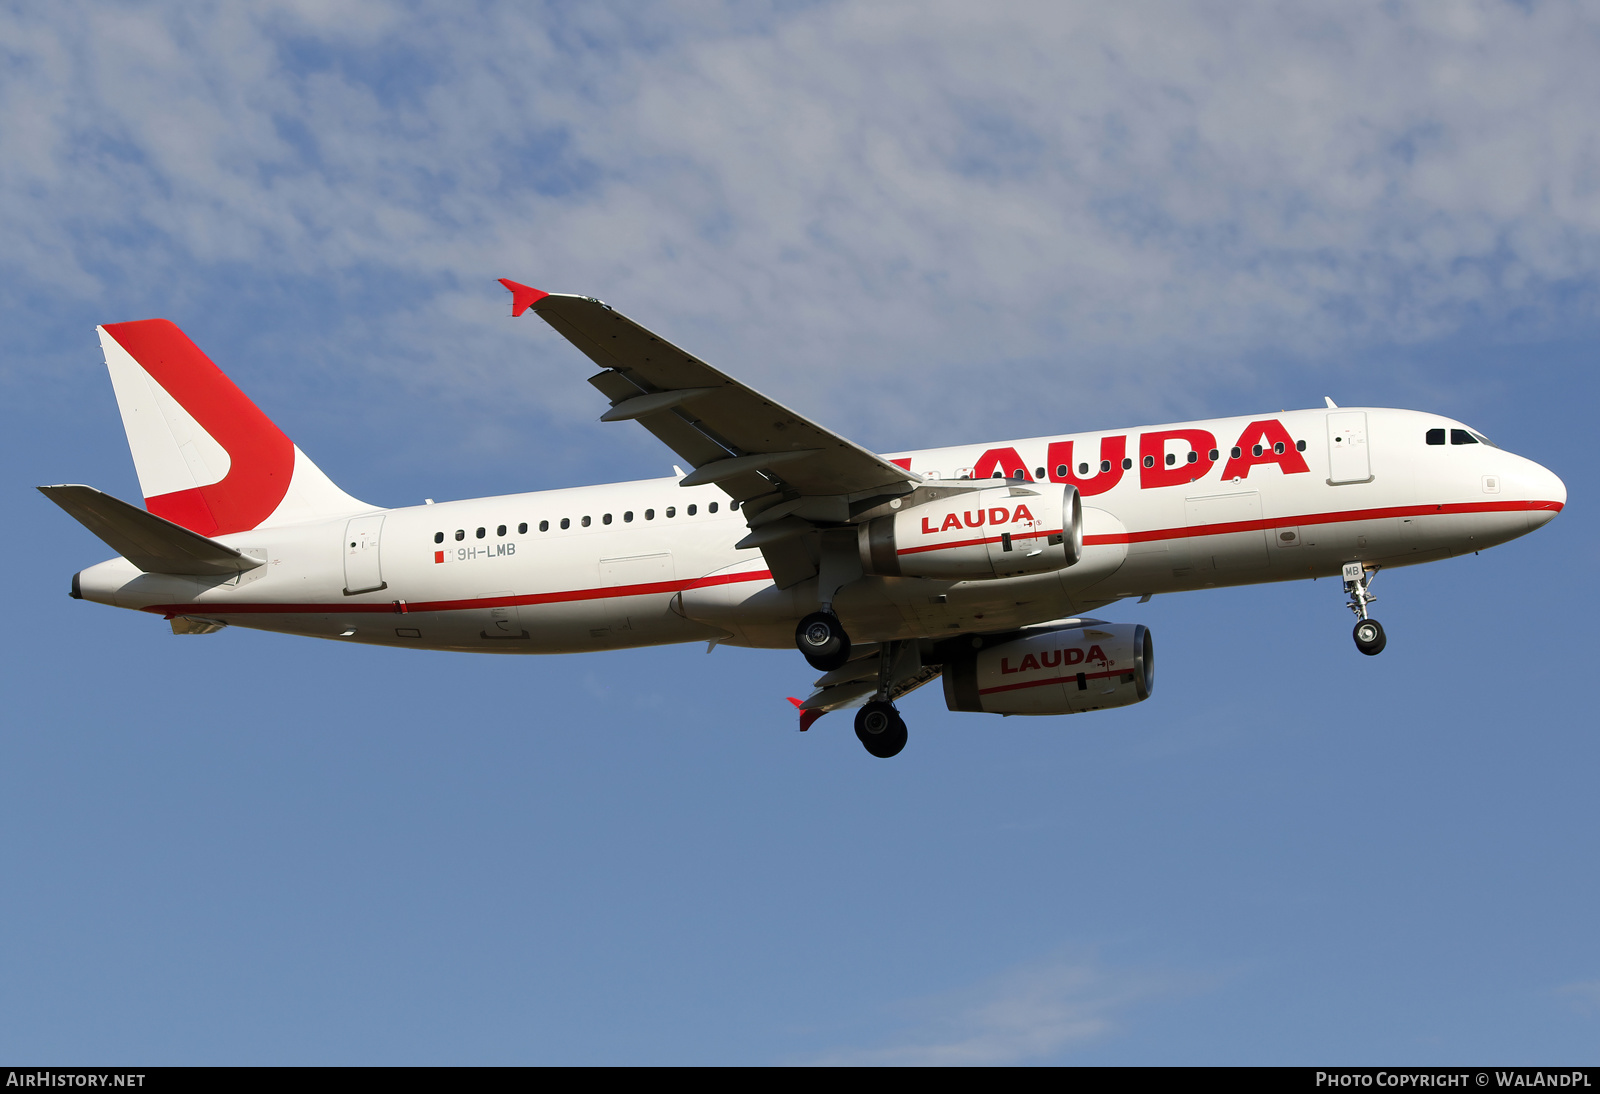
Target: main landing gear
(880,729)
(821,638)
(1368,633)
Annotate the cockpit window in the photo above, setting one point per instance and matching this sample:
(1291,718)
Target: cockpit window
(1461,436)
(1482,439)
(1436,436)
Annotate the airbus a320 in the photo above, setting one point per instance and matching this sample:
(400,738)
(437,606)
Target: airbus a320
(976,563)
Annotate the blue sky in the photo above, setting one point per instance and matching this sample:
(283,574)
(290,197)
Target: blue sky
(920,224)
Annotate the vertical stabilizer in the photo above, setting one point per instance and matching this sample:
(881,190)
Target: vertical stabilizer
(207,457)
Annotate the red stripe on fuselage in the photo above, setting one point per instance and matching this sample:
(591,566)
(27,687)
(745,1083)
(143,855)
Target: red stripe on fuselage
(568,596)
(412,607)
(1335,517)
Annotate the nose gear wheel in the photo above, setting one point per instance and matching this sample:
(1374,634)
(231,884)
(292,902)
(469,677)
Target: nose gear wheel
(1369,637)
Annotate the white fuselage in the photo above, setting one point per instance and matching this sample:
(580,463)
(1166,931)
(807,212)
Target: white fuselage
(606,567)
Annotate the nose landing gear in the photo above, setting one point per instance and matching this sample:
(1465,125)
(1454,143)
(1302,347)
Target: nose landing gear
(880,729)
(1368,633)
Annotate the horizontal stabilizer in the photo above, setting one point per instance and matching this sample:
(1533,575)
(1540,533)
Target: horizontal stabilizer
(152,543)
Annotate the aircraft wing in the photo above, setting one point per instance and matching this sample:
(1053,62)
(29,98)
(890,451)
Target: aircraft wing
(753,448)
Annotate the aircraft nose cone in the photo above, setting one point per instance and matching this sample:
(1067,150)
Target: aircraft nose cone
(1549,492)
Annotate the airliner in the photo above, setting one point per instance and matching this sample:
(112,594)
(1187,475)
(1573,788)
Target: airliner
(978,564)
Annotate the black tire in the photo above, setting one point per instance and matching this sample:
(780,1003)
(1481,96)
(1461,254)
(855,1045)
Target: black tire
(1369,637)
(880,729)
(821,638)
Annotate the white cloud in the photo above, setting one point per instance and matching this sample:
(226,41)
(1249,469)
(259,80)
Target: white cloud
(1030,1013)
(898,203)
(1584,995)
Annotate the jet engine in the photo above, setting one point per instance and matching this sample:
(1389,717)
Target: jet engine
(999,531)
(1054,670)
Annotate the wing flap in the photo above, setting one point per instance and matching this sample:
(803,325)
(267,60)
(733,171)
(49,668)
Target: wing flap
(152,543)
(857,681)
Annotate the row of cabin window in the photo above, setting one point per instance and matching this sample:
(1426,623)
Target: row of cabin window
(1150,461)
(584,522)
(1459,436)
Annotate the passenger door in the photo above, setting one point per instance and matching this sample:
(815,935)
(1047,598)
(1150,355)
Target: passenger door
(1348,461)
(363,571)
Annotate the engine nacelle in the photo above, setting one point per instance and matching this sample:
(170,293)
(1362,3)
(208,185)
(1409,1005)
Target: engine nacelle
(999,531)
(1062,670)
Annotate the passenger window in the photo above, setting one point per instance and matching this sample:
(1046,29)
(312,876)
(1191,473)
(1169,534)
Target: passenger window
(1214,455)
(1083,469)
(1149,461)
(606,519)
(1233,453)
(500,531)
(1105,465)
(1255,450)
(690,510)
(1461,436)
(566,522)
(1127,462)
(522,529)
(1436,436)
(481,532)
(461,533)
(438,537)
(733,507)
(1299,446)
(649,514)
(544,526)
(1193,457)
(672,511)
(712,508)
(998,474)
(1061,470)
(1278,448)
(627,518)
(584,522)
(1171,459)
(1038,473)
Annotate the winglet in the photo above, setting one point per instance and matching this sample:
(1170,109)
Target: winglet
(807,717)
(522,297)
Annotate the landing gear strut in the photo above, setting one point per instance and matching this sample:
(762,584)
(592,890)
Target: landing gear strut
(881,729)
(821,638)
(1368,633)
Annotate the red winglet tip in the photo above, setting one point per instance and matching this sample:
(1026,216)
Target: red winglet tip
(523,297)
(806,716)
